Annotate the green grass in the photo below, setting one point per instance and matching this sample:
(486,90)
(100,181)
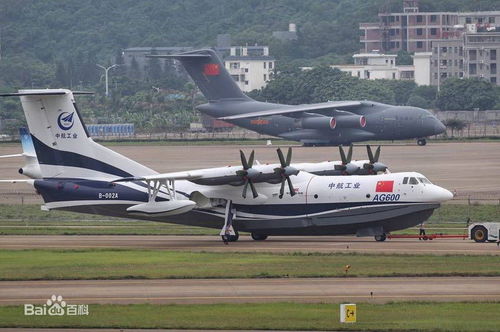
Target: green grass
(396,316)
(121,264)
(30,220)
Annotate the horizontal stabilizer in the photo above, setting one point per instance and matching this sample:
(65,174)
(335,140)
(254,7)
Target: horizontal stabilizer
(12,155)
(42,93)
(29,181)
(296,109)
(180,55)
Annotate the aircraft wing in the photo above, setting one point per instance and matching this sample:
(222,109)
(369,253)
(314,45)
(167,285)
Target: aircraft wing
(165,176)
(296,109)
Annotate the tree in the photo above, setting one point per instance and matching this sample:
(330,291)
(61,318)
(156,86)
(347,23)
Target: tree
(418,101)
(466,94)
(455,124)
(404,58)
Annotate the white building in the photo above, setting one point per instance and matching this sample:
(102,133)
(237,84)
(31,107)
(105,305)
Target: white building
(422,67)
(383,66)
(250,66)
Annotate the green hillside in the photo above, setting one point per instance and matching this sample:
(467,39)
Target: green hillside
(56,43)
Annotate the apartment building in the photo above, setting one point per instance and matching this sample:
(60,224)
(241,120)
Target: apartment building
(415,31)
(250,66)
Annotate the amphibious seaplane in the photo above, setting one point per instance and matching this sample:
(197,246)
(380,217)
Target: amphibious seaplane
(329,123)
(326,198)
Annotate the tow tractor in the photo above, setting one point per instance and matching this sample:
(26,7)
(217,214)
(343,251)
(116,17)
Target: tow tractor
(479,232)
(426,236)
(487,231)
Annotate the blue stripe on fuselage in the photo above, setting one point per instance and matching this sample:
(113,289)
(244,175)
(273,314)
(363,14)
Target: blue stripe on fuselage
(60,190)
(49,156)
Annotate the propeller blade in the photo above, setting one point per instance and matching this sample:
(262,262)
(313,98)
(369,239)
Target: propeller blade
(281,158)
(243,160)
(250,160)
(289,157)
(349,154)
(342,155)
(245,187)
(254,191)
(282,189)
(377,154)
(290,186)
(370,154)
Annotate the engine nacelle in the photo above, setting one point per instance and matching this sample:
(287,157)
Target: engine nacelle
(320,122)
(166,208)
(31,170)
(326,122)
(350,121)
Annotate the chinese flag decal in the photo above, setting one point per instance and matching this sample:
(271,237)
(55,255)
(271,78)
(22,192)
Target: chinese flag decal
(211,69)
(385,186)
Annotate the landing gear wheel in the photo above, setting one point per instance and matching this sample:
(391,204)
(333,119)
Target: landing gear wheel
(421,142)
(380,238)
(231,238)
(258,237)
(479,234)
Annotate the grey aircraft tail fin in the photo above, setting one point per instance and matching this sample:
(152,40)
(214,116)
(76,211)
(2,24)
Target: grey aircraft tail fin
(208,72)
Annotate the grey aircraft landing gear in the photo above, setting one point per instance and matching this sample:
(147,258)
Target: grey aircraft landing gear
(380,238)
(231,238)
(258,237)
(227,233)
(421,141)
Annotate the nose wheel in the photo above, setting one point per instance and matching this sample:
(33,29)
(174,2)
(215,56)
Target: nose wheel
(421,141)
(227,233)
(381,237)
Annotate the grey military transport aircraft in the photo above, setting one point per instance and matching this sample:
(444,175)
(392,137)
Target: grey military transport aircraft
(329,123)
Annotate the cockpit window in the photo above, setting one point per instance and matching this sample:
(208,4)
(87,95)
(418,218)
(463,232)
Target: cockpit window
(405,180)
(413,181)
(424,181)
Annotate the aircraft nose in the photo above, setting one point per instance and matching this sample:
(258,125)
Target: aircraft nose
(439,127)
(442,195)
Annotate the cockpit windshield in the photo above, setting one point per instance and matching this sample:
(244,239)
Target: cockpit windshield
(425,181)
(413,181)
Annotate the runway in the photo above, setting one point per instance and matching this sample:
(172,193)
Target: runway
(327,244)
(332,290)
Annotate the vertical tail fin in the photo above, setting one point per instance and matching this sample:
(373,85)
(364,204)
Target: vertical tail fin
(62,143)
(208,72)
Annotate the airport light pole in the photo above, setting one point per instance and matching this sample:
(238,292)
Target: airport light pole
(106,69)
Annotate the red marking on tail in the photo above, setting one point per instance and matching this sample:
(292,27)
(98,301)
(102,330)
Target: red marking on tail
(211,69)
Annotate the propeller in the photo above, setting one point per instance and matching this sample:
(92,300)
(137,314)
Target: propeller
(374,166)
(346,167)
(285,171)
(248,173)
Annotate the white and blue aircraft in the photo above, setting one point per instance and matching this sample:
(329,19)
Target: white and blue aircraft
(327,198)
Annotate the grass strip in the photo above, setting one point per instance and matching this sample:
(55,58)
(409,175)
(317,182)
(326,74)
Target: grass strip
(38,264)
(396,316)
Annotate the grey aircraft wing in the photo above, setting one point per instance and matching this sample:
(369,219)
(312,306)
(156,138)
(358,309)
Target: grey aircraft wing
(296,109)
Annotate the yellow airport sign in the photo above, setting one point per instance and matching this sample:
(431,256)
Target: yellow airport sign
(348,313)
